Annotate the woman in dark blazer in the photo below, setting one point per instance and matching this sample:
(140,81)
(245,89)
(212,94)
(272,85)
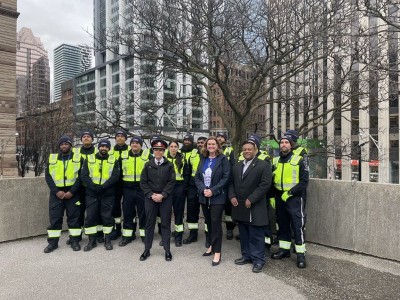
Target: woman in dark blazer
(212,178)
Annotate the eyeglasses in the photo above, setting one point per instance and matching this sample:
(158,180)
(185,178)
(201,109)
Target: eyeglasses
(158,149)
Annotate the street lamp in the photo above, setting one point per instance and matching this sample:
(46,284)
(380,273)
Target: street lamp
(3,145)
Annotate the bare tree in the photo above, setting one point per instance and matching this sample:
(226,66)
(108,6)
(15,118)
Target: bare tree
(43,128)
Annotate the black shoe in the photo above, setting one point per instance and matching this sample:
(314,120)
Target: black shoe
(191,239)
(267,249)
(107,242)
(242,261)
(237,237)
(91,244)
(117,232)
(125,241)
(173,233)
(216,263)
(229,234)
(207,253)
(161,243)
(257,268)
(280,254)
(168,255)
(100,237)
(75,246)
(301,261)
(50,248)
(145,255)
(178,243)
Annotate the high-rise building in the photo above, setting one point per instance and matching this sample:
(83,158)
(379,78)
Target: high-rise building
(33,72)
(8,42)
(140,94)
(69,60)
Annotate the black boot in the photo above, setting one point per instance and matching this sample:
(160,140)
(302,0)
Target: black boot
(100,237)
(125,241)
(178,239)
(229,234)
(267,249)
(53,245)
(192,237)
(91,244)
(301,261)
(107,242)
(116,233)
(75,243)
(280,254)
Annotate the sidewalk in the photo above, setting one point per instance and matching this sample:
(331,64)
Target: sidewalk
(28,273)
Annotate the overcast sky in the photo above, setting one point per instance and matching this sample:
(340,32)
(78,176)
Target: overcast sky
(57,21)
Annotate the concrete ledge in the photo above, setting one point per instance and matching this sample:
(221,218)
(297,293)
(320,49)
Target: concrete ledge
(24,208)
(361,217)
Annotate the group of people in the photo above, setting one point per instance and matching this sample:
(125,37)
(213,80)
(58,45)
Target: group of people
(106,191)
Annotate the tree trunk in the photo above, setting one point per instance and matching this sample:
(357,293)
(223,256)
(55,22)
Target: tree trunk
(238,134)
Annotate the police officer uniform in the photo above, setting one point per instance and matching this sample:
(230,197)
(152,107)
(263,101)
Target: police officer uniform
(192,157)
(100,173)
(117,211)
(132,165)
(157,181)
(62,177)
(290,180)
(178,195)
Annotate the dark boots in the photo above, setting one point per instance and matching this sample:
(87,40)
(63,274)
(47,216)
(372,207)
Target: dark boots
(301,260)
(75,243)
(100,237)
(91,244)
(178,239)
(125,241)
(281,254)
(192,237)
(53,245)
(107,242)
(229,234)
(117,232)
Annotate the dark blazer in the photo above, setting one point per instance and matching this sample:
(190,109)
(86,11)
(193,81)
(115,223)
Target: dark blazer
(158,179)
(253,185)
(219,180)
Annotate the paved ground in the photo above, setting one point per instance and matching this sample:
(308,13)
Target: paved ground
(27,273)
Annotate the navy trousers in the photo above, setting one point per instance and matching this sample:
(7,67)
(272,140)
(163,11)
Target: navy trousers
(252,243)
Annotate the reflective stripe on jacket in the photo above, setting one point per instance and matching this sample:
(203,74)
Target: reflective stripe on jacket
(286,175)
(132,166)
(64,173)
(100,170)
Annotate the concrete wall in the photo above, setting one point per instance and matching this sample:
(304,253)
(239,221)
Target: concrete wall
(362,217)
(24,208)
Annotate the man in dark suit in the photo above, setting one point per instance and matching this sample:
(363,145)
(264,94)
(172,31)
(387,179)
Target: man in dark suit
(250,182)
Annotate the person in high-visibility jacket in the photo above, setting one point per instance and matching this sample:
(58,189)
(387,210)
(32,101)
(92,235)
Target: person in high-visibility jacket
(182,173)
(120,146)
(222,138)
(63,178)
(299,150)
(290,180)
(132,164)
(192,157)
(100,173)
